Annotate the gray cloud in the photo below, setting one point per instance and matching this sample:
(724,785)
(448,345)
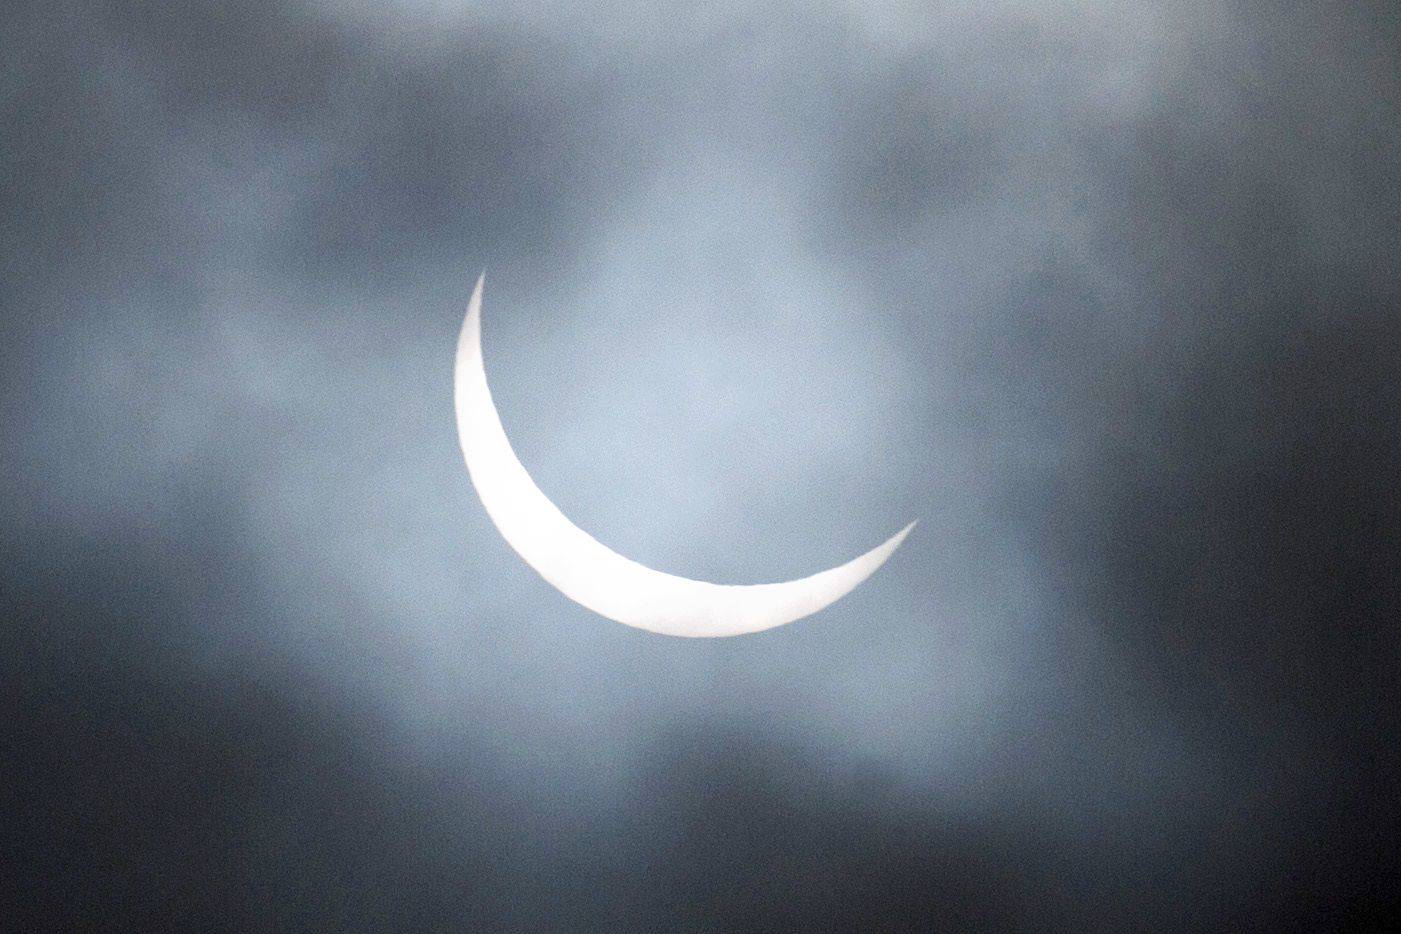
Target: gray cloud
(1101,294)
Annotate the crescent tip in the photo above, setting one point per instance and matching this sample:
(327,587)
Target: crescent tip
(474,306)
(899,537)
(471,322)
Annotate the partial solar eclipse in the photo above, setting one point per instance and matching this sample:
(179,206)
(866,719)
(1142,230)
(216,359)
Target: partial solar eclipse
(597,577)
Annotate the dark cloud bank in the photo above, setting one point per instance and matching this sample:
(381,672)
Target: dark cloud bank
(1138,271)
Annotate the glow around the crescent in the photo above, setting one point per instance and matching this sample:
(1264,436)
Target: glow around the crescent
(601,579)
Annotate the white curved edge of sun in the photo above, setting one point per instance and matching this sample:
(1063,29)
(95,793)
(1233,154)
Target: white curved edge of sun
(593,575)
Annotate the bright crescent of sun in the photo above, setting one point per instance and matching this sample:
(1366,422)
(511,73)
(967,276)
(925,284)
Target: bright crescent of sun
(591,574)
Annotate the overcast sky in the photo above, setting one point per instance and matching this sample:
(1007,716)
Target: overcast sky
(1104,294)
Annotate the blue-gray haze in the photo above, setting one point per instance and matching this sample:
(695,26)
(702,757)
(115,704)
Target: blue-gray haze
(1105,294)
